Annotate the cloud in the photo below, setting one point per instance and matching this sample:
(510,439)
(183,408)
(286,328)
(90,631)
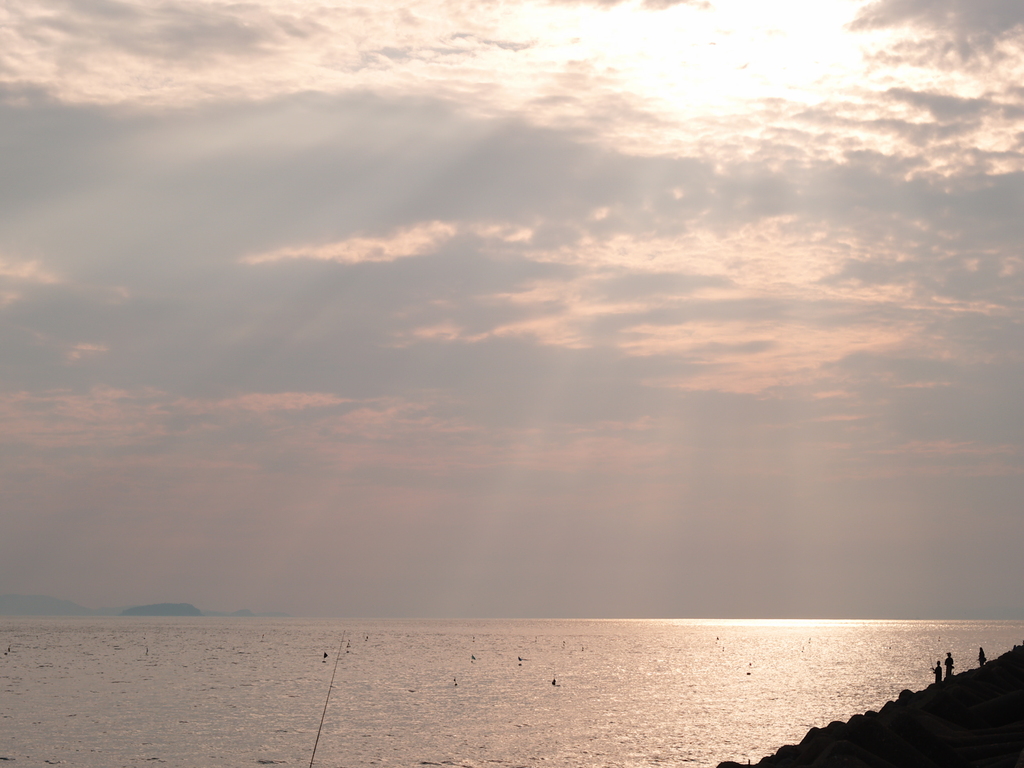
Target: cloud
(945,108)
(961,17)
(16,274)
(414,241)
(417,240)
(29,271)
(171,31)
(960,34)
(512,249)
(653,5)
(660,5)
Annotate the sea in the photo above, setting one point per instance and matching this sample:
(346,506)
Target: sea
(192,692)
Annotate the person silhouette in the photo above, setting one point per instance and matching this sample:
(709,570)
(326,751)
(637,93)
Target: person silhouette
(981,657)
(938,672)
(949,665)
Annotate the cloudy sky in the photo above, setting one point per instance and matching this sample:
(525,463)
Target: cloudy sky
(653,308)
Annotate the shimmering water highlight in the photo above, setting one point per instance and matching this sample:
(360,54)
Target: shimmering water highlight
(241,692)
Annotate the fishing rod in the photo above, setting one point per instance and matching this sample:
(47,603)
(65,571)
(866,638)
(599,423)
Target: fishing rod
(329,689)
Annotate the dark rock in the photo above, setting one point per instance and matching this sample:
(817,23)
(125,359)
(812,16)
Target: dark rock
(788,752)
(966,693)
(811,734)
(910,727)
(818,740)
(1002,710)
(811,750)
(973,720)
(873,736)
(1007,761)
(947,707)
(980,753)
(844,754)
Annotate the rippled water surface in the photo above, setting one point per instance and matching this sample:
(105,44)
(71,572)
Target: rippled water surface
(243,692)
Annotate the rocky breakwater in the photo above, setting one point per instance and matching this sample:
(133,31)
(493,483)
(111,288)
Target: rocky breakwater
(973,720)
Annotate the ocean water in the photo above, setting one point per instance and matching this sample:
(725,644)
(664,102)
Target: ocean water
(244,692)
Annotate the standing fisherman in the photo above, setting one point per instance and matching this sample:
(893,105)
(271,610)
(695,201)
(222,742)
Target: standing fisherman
(949,665)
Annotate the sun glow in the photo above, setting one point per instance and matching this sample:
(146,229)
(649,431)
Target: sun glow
(698,57)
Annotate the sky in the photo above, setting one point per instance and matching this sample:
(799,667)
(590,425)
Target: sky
(549,308)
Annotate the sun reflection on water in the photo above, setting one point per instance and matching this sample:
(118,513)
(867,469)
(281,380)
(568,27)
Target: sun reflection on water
(579,692)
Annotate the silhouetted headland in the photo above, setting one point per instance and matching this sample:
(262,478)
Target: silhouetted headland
(972,720)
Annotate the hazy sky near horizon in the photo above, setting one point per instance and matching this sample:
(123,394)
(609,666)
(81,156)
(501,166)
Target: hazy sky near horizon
(562,308)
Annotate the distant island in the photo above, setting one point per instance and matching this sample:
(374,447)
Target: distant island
(163,609)
(43,605)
